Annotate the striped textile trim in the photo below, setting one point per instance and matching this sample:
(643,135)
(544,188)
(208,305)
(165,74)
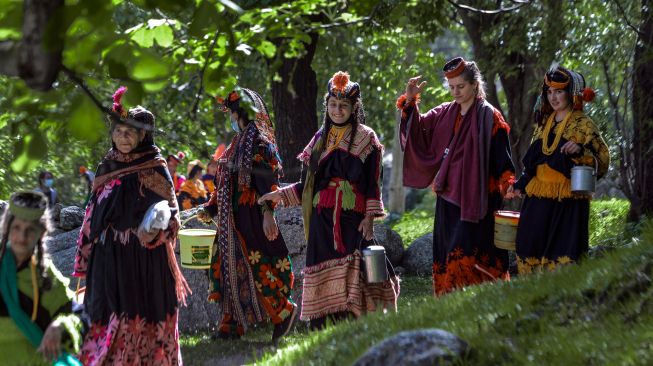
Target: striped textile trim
(289,196)
(338,285)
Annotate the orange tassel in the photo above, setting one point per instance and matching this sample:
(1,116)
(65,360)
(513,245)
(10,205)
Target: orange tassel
(588,95)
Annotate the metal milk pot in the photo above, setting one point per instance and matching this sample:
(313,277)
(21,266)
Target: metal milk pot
(375,268)
(583,178)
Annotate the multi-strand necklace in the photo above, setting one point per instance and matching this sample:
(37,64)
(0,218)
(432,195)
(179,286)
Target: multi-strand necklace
(546,149)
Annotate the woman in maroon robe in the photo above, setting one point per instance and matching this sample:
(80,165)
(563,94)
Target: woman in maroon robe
(462,148)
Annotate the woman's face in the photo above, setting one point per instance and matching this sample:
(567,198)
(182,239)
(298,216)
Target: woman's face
(212,168)
(558,98)
(339,110)
(126,138)
(462,90)
(24,235)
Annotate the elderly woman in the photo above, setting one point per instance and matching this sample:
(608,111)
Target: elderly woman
(133,283)
(554,223)
(340,195)
(35,303)
(462,148)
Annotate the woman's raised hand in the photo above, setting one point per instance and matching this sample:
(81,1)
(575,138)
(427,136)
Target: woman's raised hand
(414,87)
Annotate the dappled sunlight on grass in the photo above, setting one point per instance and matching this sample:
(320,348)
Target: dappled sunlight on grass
(579,314)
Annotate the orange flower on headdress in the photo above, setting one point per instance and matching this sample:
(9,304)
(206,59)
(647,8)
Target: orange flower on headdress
(340,81)
(233,96)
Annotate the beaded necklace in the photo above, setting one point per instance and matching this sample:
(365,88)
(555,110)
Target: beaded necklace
(546,149)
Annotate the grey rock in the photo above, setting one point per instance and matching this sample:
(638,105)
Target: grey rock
(391,241)
(55,212)
(199,314)
(418,258)
(400,271)
(62,241)
(62,249)
(291,226)
(416,348)
(193,223)
(71,217)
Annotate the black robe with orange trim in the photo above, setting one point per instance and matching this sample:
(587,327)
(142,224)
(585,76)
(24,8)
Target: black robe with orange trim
(463,249)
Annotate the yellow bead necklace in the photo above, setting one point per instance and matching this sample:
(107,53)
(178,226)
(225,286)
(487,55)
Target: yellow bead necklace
(546,149)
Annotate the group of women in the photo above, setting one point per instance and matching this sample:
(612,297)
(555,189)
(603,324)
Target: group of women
(134,286)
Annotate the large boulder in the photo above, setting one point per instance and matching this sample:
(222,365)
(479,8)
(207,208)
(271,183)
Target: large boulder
(426,347)
(391,241)
(198,314)
(55,211)
(61,249)
(71,217)
(418,258)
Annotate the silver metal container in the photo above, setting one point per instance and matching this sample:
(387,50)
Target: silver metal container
(375,269)
(583,179)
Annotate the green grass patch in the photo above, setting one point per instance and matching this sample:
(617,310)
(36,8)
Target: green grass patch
(607,222)
(597,313)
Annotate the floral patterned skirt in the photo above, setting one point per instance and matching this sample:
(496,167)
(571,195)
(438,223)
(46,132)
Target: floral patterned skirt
(270,273)
(551,233)
(131,301)
(464,252)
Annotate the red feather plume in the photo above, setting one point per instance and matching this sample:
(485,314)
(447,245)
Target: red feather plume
(117,106)
(588,95)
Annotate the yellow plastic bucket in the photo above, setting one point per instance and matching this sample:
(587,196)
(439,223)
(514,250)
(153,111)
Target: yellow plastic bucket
(505,229)
(195,247)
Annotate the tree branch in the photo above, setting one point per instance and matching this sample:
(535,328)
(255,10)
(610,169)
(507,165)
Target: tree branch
(625,17)
(79,82)
(342,24)
(115,116)
(193,113)
(518,4)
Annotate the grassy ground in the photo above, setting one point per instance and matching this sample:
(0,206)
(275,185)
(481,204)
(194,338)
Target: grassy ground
(603,316)
(541,319)
(607,221)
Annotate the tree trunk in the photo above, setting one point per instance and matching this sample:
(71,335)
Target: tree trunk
(397,199)
(642,202)
(40,51)
(520,72)
(295,108)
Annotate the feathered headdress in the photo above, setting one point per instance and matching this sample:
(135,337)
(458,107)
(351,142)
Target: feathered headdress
(117,105)
(340,86)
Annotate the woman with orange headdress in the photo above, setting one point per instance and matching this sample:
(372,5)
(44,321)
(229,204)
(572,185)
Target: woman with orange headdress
(340,194)
(553,227)
(462,148)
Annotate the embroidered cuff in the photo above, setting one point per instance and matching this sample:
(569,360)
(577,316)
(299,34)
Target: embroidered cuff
(404,101)
(374,207)
(289,196)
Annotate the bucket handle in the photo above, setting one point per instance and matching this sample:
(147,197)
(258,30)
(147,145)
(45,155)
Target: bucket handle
(194,216)
(387,260)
